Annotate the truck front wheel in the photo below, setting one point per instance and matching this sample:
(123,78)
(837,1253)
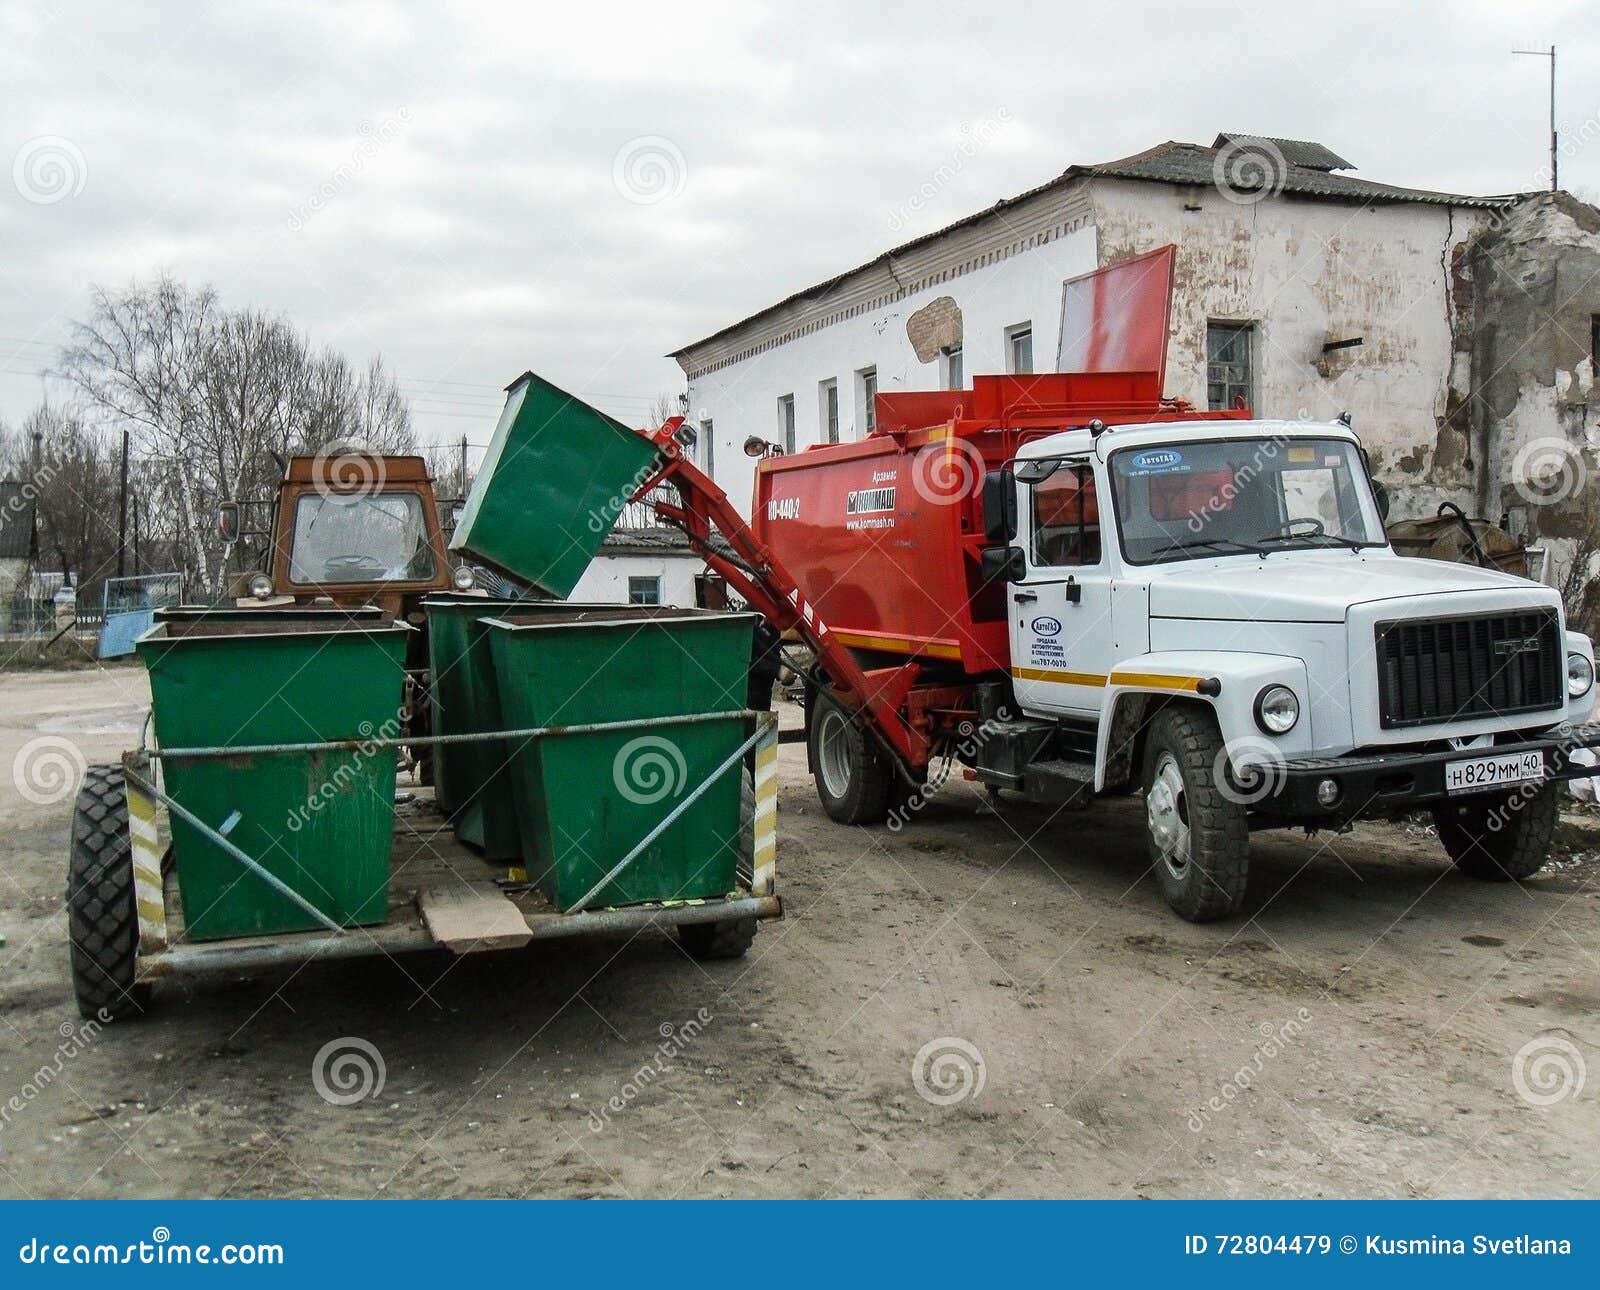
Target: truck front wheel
(1199,838)
(1502,837)
(853,775)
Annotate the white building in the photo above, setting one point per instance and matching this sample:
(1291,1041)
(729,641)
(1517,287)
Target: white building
(641,566)
(1307,291)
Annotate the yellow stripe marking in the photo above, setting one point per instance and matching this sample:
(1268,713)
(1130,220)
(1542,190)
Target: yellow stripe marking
(152,912)
(1156,681)
(899,644)
(1059,678)
(1141,680)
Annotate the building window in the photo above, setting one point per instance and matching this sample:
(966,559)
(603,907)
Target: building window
(711,448)
(1230,362)
(828,410)
(1019,349)
(954,376)
(867,399)
(644,590)
(786,421)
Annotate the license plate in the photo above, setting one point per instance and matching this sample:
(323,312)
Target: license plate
(1484,773)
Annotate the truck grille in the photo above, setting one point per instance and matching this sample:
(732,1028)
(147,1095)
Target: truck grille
(1445,669)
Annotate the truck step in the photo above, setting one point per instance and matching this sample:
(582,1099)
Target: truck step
(1059,781)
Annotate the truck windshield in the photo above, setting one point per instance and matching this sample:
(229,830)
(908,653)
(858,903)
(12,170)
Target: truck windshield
(1230,496)
(378,538)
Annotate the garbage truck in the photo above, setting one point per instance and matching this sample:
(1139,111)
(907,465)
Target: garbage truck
(1074,587)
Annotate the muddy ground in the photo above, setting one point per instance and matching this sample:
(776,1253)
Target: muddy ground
(1356,1033)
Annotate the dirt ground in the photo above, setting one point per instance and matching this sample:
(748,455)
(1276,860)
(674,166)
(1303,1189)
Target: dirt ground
(1374,1025)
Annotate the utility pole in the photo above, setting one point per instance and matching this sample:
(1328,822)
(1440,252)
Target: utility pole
(1554,154)
(136,562)
(122,510)
(463,487)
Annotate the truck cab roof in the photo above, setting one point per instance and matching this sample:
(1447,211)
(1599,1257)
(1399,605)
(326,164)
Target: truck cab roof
(1081,441)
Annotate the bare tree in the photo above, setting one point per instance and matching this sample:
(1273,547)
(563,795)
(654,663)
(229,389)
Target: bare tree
(211,396)
(72,476)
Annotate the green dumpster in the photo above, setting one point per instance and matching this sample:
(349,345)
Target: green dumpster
(468,784)
(318,821)
(554,479)
(584,801)
(187,620)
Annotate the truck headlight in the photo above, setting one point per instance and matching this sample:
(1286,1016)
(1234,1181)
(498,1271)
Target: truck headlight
(463,578)
(1580,676)
(261,586)
(1277,709)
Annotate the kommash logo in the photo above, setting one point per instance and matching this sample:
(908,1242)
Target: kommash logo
(869,501)
(783,508)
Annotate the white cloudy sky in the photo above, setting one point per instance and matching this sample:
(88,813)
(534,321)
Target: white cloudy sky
(477,228)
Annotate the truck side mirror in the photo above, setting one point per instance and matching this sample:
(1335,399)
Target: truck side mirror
(999,507)
(1380,494)
(1003,564)
(228,522)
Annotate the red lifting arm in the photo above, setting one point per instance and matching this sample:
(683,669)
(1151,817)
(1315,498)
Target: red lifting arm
(761,579)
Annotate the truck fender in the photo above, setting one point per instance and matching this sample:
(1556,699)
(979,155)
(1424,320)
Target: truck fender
(1226,682)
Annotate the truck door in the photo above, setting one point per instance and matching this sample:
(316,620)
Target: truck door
(1061,612)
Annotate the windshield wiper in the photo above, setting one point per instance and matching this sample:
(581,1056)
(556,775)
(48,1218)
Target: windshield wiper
(1329,539)
(1196,544)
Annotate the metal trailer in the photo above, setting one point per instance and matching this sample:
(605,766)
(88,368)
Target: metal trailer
(126,910)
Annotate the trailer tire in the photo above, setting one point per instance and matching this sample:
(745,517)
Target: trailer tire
(726,940)
(102,922)
(853,776)
(1516,850)
(1199,837)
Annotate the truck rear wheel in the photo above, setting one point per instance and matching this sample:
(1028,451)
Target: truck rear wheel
(1199,839)
(853,775)
(1497,838)
(102,923)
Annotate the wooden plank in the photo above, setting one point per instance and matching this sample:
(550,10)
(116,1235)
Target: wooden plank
(465,917)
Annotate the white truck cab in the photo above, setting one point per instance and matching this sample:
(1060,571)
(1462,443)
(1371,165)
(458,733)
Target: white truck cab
(1211,611)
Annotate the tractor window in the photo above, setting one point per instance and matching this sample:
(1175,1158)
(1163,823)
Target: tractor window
(1066,519)
(382,537)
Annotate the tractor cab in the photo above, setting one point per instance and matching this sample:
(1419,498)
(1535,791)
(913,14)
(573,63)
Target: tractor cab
(352,529)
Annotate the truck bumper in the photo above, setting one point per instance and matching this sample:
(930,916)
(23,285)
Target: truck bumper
(1376,785)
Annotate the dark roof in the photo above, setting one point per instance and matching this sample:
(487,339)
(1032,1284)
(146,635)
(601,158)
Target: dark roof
(1296,152)
(1188,164)
(16,522)
(1191,165)
(645,541)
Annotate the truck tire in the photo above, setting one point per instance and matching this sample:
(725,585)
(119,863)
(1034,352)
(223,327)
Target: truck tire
(1199,838)
(102,923)
(725,940)
(1515,850)
(853,775)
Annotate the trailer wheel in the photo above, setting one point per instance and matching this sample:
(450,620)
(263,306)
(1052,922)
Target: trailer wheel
(853,776)
(102,923)
(726,940)
(1199,839)
(1497,839)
